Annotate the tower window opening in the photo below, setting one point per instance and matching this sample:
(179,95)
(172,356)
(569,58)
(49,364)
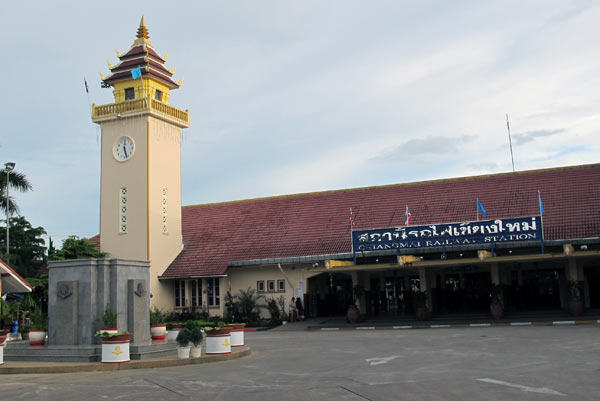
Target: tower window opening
(158,95)
(129,93)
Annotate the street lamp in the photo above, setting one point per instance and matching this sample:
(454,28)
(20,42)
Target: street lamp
(8,167)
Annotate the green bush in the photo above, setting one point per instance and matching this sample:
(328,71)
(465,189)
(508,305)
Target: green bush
(183,337)
(109,319)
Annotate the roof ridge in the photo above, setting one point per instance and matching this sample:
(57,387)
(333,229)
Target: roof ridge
(301,194)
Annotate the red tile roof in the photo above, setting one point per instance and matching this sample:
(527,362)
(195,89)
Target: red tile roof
(318,223)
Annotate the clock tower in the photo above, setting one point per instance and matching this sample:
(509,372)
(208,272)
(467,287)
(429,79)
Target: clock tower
(140,190)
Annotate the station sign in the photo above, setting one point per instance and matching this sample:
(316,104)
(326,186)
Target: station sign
(481,232)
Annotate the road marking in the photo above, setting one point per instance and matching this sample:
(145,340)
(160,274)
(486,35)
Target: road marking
(561,322)
(381,361)
(542,390)
(366,328)
(439,326)
(521,324)
(480,325)
(402,327)
(329,328)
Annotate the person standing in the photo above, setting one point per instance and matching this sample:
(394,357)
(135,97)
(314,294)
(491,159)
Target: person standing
(299,308)
(293,310)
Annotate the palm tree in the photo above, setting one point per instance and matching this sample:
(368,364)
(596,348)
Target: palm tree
(17,181)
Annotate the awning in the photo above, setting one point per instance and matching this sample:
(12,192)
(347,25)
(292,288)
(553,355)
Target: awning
(10,281)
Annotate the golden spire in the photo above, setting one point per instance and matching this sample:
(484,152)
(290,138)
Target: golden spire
(142,34)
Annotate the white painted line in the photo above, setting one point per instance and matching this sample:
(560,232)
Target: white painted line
(439,326)
(480,325)
(563,322)
(381,361)
(402,327)
(542,390)
(329,328)
(520,324)
(365,328)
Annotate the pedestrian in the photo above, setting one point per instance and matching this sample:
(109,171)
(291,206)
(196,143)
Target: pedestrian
(293,310)
(299,308)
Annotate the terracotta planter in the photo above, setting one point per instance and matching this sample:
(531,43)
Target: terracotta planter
(353,314)
(575,306)
(37,337)
(158,331)
(237,334)
(115,349)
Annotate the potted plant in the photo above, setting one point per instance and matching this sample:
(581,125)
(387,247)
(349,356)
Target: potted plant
(109,321)
(575,301)
(39,327)
(173,329)
(183,342)
(420,304)
(115,346)
(496,304)
(196,337)
(218,339)
(158,328)
(237,334)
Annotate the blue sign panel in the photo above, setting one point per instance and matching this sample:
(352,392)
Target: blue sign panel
(449,234)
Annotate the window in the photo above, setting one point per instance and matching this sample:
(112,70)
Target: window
(129,93)
(123,210)
(179,293)
(271,285)
(280,285)
(196,292)
(165,222)
(212,292)
(260,286)
(158,95)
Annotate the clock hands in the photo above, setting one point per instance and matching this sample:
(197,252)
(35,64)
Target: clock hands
(125,150)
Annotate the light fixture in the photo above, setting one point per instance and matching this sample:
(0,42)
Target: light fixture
(8,167)
(583,247)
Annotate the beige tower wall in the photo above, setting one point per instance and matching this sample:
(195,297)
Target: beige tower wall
(165,173)
(155,166)
(130,174)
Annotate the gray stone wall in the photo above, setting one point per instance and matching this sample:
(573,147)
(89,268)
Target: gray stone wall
(79,291)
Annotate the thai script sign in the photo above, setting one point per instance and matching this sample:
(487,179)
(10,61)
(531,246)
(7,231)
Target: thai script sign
(449,234)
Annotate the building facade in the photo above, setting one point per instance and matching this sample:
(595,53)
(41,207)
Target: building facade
(539,231)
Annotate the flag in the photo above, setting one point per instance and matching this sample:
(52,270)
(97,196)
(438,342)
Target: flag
(87,90)
(352,218)
(136,73)
(540,203)
(407,216)
(480,208)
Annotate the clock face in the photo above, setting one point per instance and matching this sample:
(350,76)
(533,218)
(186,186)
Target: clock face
(123,148)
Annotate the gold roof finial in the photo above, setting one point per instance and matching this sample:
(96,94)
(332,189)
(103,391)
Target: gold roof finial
(142,34)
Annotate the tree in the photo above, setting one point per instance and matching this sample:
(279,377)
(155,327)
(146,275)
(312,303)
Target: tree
(77,248)
(17,182)
(27,247)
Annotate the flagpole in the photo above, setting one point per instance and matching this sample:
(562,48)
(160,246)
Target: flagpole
(541,219)
(510,144)
(477,208)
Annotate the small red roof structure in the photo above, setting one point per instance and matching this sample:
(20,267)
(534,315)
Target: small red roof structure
(12,281)
(317,224)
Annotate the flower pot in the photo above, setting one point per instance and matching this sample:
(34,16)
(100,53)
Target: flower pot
(575,306)
(37,337)
(353,314)
(172,334)
(109,330)
(158,331)
(183,352)
(218,341)
(196,351)
(2,344)
(237,334)
(115,349)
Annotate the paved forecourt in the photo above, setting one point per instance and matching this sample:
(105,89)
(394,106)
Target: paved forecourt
(479,363)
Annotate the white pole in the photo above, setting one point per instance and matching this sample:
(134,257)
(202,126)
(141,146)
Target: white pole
(7,214)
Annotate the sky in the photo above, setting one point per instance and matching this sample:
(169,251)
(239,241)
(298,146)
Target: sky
(303,96)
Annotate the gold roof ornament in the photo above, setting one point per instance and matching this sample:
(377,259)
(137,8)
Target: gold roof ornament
(109,64)
(118,53)
(143,34)
(172,70)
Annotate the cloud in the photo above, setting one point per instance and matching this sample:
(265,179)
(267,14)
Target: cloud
(525,137)
(436,145)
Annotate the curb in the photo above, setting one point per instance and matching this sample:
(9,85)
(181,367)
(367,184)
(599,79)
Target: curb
(461,326)
(106,367)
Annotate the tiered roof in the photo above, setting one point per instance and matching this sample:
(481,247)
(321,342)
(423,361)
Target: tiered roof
(142,54)
(318,223)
